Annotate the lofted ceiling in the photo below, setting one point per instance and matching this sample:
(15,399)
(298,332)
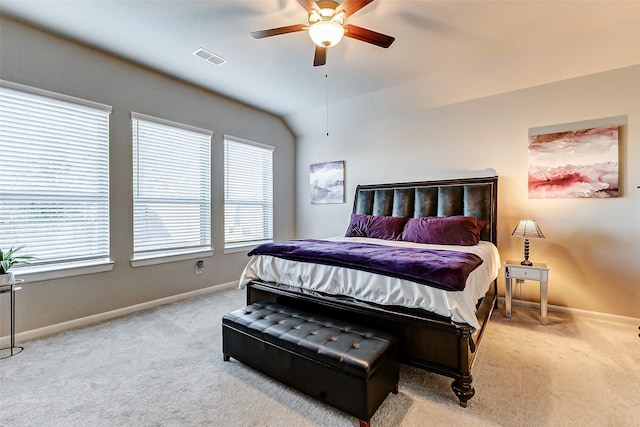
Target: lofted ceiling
(445,51)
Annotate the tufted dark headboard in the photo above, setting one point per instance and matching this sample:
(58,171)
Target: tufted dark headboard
(470,197)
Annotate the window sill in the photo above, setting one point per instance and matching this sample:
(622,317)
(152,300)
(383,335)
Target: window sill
(60,271)
(242,247)
(166,257)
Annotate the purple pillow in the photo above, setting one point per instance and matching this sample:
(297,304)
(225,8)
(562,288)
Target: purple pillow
(377,227)
(452,230)
(357,226)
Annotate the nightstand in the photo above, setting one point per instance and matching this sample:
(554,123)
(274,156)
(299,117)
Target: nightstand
(538,272)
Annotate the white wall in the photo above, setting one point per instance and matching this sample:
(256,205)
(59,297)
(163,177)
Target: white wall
(38,59)
(592,244)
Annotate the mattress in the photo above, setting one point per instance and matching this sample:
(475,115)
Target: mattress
(460,306)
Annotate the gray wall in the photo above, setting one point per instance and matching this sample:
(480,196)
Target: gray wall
(591,245)
(29,56)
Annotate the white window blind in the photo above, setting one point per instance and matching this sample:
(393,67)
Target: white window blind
(54,176)
(171,187)
(248,192)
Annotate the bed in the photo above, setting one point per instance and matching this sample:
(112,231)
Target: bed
(440,327)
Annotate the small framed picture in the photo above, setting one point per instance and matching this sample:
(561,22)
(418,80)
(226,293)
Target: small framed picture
(327,182)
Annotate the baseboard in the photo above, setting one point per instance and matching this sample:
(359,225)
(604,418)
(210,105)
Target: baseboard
(574,311)
(101,317)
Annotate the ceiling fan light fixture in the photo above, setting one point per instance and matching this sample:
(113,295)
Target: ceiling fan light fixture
(326,33)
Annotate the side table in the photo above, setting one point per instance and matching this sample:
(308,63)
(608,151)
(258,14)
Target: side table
(538,272)
(12,289)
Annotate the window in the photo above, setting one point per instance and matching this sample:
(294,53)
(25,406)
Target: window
(54,175)
(248,193)
(171,189)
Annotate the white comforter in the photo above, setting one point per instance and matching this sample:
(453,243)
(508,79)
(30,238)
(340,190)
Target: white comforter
(384,290)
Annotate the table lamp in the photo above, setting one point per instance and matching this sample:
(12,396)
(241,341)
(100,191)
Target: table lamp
(528,229)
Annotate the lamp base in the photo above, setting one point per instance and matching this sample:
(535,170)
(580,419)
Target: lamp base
(526,253)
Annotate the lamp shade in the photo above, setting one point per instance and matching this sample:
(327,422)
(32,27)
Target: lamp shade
(326,33)
(528,228)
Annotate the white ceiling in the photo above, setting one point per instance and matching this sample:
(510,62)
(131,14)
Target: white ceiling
(445,51)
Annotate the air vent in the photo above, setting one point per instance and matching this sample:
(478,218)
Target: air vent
(209,56)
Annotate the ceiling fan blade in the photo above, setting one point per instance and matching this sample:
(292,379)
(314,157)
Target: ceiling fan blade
(368,36)
(277,31)
(352,6)
(309,5)
(320,56)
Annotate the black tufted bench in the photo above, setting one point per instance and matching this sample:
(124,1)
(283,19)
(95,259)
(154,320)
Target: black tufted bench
(350,367)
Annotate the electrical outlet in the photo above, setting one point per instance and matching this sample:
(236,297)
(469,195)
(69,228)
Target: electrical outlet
(199,266)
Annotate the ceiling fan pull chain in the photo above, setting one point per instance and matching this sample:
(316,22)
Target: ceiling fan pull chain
(326,77)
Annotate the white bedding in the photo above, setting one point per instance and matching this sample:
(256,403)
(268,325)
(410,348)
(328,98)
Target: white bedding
(384,290)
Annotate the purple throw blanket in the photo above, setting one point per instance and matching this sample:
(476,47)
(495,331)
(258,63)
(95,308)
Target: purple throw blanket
(442,269)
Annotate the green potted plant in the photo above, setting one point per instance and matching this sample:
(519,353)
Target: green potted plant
(7,260)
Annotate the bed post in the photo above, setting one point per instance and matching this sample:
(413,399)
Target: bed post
(462,385)
(463,389)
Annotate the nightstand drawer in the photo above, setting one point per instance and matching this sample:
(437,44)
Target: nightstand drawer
(524,273)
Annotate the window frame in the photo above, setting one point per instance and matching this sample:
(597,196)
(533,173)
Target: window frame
(241,246)
(76,265)
(172,254)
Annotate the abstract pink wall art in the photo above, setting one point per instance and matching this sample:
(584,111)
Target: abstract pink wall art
(574,164)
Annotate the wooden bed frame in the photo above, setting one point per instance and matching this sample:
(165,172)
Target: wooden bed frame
(427,341)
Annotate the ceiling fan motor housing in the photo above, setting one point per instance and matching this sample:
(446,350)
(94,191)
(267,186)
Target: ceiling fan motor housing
(327,7)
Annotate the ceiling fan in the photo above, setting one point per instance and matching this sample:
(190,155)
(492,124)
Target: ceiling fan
(327,26)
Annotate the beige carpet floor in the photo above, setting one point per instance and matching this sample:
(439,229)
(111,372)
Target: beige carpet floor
(163,367)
